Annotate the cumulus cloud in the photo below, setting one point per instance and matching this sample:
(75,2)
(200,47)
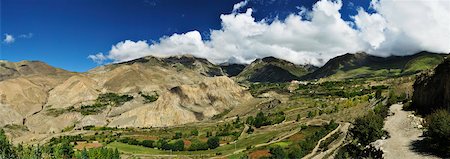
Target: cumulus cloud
(98,58)
(239,5)
(308,37)
(414,26)
(9,39)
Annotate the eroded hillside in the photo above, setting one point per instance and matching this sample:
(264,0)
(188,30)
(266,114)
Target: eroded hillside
(146,92)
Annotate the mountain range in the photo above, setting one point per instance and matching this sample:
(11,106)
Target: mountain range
(160,92)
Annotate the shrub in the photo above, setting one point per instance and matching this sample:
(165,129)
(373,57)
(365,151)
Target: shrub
(277,152)
(382,110)
(198,145)
(177,145)
(368,128)
(149,98)
(113,99)
(6,149)
(178,135)
(147,143)
(213,142)
(438,130)
(194,132)
(260,120)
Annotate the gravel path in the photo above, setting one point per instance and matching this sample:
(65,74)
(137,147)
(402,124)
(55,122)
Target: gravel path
(403,132)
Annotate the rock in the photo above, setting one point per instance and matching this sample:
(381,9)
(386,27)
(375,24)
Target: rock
(432,89)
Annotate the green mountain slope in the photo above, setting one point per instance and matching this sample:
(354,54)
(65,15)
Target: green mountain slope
(364,65)
(271,69)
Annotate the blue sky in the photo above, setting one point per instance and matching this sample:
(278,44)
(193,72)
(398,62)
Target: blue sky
(64,33)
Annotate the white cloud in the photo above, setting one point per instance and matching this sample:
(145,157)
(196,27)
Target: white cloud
(26,36)
(414,26)
(98,58)
(308,37)
(9,39)
(239,5)
(371,27)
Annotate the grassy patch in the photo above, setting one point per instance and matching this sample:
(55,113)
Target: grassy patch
(133,149)
(16,127)
(283,144)
(423,63)
(149,98)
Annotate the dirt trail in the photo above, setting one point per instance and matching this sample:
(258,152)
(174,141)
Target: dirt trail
(403,132)
(262,144)
(335,144)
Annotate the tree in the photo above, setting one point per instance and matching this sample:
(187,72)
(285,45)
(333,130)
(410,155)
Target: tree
(194,132)
(208,133)
(260,120)
(178,135)
(277,152)
(378,93)
(198,145)
(295,151)
(6,149)
(63,150)
(311,114)
(368,128)
(84,154)
(213,142)
(298,118)
(178,145)
(250,120)
(147,143)
(116,154)
(37,152)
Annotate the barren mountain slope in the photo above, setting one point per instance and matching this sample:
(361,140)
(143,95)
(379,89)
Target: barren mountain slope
(186,103)
(10,70)
(25,91)
(190,89)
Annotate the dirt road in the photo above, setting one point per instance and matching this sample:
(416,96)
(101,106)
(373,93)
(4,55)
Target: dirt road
(403,132)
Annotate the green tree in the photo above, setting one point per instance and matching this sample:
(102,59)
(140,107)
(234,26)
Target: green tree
(198,145)
(250,120)
(295,151)
(311,114)
(37,152)
(116,154)
(213,142)
(378,93)
(208,133)
(298,118)
(6,149)
(147,143)
(194,132)
(178,135)
(178,145)
(260,120)
(84,154)
(277,153)
(368,128)
(64,150)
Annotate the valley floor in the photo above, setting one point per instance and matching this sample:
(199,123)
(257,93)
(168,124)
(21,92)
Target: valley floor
(403,131)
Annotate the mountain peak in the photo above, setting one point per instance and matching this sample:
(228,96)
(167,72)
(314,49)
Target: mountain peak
(271,69)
